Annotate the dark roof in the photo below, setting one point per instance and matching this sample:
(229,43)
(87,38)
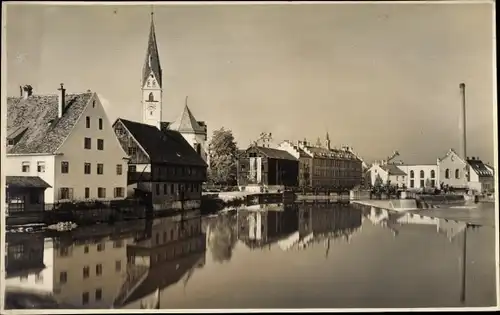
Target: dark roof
(331,153)
(392,169)
(167,146)
(45,132)
(479,167)
(152,62)
(275,153)
(186,123)
(26,182)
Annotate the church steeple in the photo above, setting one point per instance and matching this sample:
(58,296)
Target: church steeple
(152,88)
(152,62)
(328,144)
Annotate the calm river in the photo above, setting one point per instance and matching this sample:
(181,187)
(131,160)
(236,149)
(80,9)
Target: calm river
(299,256)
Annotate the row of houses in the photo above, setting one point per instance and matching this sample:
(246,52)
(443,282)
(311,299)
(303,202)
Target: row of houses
(62,147)
(451,170)
(299,164)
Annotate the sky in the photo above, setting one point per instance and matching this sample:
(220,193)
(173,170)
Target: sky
(378,77)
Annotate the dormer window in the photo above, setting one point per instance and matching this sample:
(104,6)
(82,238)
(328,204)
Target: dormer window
(15,135)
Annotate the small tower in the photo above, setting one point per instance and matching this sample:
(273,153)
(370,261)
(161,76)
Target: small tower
(152,88)
(327,142)
(195,132)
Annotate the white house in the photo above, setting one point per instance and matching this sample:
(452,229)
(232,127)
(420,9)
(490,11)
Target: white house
(481,177)
(421,175)
(66,140)
(388,172)
(452,170)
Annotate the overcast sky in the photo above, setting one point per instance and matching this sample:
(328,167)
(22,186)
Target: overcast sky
(380,77)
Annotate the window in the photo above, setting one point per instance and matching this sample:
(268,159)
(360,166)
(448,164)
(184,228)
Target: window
(87,144)
(65,193)
(412,183)
(119,192)
(100,169)
(86,272)
(98,294)
(151,97)
(63,252)
(40,167)
(85,298)
(86,249)
(457,173)
(100,123)
(132,150)
(100,144)
(422,174)
(422,183)
(25,166)
(87,192)
(87,122)
(63,277)
(198,148)
(433,183)
(101,192)
(86,168)
(119,169)
(171,188)
(132,169)
(447,173)
(157,186)
(98,270)
(65,167)
(412,174)
(117,244)
(157,238)
(433,174)
(100,247)
(118,265)
(164,236)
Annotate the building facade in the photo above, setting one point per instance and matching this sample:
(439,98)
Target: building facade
(325,167)
(481,177)
(420,176)
(388,173)
(452,170)
(267,167)
(163,168)
(66,140)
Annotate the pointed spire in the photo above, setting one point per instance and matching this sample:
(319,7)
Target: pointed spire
(152,62)
(186,122)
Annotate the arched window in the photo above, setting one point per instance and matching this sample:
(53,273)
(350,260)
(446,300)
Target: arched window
(433,174)
(151,98)
(447,173)
(422,174)
(457,173)
(412,174)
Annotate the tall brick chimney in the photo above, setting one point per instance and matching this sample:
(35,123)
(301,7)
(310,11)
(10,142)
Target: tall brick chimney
(463,123)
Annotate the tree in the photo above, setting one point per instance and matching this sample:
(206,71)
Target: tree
(222,237)
(223,157)
(378,181)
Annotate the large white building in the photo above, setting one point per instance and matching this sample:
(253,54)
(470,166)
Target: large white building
(452,170)
(66,140)
(420,176)
(388,173)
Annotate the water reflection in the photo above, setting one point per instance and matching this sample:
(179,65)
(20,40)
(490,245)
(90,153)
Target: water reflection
(322,255)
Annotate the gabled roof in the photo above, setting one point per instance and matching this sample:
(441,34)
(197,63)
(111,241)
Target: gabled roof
(275,153)
(26,182)
(393,170)
(45,132)
(186,123)
(152,62)
(451,151)
(479,167)
(166,146)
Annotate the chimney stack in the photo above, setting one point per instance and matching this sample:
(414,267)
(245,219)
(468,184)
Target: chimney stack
(463,122)
(61,101)
(21,91)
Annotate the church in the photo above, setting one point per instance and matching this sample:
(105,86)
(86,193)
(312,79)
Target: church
(167,160)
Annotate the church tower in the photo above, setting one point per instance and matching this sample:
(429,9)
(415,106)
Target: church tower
(152,88)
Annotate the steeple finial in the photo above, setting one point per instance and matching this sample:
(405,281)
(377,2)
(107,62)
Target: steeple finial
(186,101)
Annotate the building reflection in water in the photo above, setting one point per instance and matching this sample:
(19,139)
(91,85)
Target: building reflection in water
(297,226)
(173,249)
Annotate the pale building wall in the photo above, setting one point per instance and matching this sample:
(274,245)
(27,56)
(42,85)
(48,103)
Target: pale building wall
(193,139)
(13,167)
(377,170)
(152,115)
(417,179)
(74,152)
(452,162)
